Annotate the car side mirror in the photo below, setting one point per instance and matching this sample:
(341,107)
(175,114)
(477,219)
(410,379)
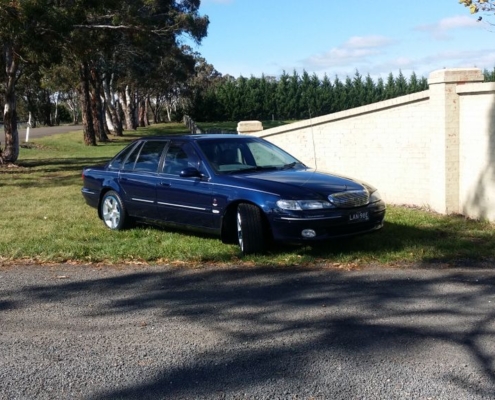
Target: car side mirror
(190,172)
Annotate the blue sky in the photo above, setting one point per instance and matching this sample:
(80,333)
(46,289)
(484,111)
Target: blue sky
(255,37)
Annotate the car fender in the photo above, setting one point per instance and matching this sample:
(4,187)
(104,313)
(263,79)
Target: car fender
(107,185)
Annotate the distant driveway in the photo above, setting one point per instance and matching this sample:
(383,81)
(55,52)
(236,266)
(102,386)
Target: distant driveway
(46,131)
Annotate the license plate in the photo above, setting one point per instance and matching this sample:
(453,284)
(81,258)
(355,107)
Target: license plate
(359,216)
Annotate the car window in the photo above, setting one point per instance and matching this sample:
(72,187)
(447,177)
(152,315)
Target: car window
(180,155)
(131,160)
(225,156)
(149,156)
(232,156)
(116,163)
(266,156)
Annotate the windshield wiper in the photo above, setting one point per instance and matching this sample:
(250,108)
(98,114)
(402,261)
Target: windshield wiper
(254,168)
(289,166)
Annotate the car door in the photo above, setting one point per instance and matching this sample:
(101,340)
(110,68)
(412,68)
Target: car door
(139,178)
(185,200)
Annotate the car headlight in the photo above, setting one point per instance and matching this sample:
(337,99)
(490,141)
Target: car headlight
(375,196)
(298,205)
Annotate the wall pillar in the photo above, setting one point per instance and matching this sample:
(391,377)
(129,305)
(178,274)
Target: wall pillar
(247,127)
(444,154)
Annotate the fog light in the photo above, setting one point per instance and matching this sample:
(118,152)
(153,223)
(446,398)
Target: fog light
(308,233)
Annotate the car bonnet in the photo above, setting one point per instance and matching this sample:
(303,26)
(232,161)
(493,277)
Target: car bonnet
(304,181)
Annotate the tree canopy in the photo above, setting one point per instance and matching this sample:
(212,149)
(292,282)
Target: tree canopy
(476,6)
(293,96)
(109,45)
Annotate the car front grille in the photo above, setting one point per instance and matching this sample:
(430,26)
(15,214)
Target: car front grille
(350,199)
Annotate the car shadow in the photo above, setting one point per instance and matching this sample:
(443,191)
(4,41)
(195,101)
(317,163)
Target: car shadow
(460,248)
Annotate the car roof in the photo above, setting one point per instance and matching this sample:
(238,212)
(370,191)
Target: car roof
(224,136)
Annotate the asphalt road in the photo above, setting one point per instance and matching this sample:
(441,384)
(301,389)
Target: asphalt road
(46,131)
(90,332)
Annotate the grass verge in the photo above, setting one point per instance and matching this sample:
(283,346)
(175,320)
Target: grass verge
(43,218)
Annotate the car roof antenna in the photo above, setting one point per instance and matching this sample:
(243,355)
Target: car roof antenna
(312,137)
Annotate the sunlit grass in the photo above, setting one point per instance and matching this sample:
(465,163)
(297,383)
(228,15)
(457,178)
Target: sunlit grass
(43,217)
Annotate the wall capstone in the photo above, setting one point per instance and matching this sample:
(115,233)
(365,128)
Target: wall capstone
(247,127)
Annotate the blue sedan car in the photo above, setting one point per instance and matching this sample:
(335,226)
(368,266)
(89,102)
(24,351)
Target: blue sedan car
(242,188)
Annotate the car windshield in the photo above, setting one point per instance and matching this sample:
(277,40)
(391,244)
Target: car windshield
(244,155)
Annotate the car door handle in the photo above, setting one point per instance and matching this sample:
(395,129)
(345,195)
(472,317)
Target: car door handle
(165,184)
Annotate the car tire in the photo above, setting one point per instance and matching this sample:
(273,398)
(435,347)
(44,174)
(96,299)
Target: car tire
(113,212)
(250,232)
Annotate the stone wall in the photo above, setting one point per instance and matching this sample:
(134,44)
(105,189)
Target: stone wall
(434,148)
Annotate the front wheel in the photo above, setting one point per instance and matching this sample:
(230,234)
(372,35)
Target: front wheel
(250,233)
(113,212)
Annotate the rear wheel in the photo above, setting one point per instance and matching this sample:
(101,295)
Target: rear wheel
(113,212)
(250,233)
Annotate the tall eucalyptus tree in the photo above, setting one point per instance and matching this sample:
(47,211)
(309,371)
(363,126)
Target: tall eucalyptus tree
(140,29)
(37,32)
(31,32)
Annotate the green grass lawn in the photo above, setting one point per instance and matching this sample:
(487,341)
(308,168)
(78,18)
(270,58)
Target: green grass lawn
(44,218)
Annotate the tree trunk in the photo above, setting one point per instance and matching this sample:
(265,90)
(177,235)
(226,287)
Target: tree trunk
(168,108)
(97,107)
(146,113)
(127,106)
(110,126)
(154,110)
(87,116)
(75,115)
(47,108)
(97,121)
(104,117)
(142,112)
(55,117)
(72,103)
(110,109)
(11,152)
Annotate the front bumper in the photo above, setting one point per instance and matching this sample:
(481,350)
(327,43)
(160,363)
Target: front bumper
(288,227)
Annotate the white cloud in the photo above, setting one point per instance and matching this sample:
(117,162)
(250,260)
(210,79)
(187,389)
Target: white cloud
(423,66)
(456,22)
(354,51)
(360,42)
(441,28)
(344,62)
(339,56)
